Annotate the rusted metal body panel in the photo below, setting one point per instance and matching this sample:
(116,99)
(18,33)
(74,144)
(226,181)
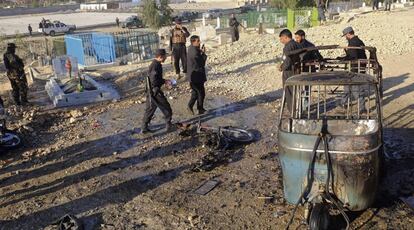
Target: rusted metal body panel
(355,163)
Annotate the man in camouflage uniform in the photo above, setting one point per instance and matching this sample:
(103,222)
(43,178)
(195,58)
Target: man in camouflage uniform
(179,34)
(15,73)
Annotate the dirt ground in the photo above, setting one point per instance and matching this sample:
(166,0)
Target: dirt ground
(92,162)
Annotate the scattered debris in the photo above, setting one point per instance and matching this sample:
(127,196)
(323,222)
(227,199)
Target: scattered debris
(206,187)
(69,222)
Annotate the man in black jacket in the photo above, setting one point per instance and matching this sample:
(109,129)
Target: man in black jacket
(155,96)
(234,25)
(196,74)
(290,61)
(354,55)
(310,56)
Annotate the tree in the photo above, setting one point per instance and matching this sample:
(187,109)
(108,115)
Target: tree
(165,11)
(150,14)
(156,15)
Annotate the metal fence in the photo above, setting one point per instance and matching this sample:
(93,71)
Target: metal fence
(336,7)
(276,18)
(135,45)
(91,48)
(100,48)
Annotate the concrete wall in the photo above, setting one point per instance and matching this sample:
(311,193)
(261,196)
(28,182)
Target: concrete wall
(41,10)
(97,6)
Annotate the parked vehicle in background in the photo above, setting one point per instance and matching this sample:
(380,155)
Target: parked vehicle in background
(48,27)
(213,13)
(247,8)
(132,22)
(186,16)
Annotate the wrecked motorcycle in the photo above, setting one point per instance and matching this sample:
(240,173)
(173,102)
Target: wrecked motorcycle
(330,143)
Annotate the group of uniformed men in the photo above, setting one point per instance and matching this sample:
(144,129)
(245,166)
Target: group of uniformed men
(193,62)
(293,54)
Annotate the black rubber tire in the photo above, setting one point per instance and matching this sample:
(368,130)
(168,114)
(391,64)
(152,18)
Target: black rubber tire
(71,31)
(52,33)
(14,143)
(237,135)
(319,217)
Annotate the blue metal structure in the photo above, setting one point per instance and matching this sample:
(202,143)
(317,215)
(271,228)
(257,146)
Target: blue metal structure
(91,48)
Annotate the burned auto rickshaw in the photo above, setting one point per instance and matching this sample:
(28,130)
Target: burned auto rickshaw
(330,142)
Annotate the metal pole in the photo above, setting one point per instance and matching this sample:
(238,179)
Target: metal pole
(309,101)
(317,113)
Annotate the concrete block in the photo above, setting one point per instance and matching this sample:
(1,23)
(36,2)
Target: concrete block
(61,99)
(270,31)
(224,39)
(206,32)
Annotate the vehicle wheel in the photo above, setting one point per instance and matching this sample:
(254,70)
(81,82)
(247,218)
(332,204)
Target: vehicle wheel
(319,217)
(10,140)
(237,135)
(71,31)
(52,33)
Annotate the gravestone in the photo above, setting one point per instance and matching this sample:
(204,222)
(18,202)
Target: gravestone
(59,66)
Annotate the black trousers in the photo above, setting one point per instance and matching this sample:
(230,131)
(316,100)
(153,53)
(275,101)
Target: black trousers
(154,102)
(198,94)
(289,90)
(234,34)
(179,52)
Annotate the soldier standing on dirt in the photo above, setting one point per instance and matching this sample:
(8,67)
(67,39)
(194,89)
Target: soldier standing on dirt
(117,21)
(29,28)
(179,35)
(196,74)
(388,5)
(234,24)
(15,72)
(155,96)
(290,62)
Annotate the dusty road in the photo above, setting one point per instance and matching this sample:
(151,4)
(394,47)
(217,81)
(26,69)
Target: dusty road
(101,169)
(13,25)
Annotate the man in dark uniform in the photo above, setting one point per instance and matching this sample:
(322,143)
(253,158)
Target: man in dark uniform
(179,35)
(321,11)
(354,55)
(15,72)
(30,29)
(155,96)
(388,5)
(196,74)
(290,61)
(375,4)
(234,25)
(300,38)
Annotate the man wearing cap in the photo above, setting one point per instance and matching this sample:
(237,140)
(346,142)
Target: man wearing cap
(300,38)
(353,41)
(155,96)
(290,61)
(179,35)
(354,55)
(196,74)
(15,72)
